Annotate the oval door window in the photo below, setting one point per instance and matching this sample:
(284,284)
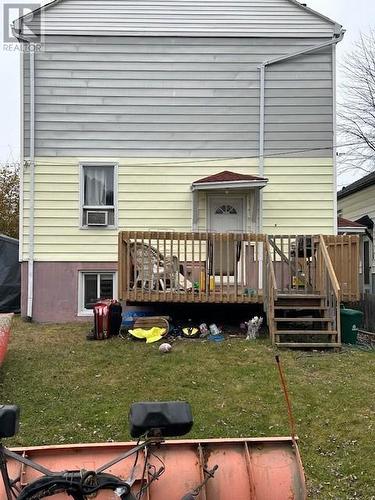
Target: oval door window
(226,209)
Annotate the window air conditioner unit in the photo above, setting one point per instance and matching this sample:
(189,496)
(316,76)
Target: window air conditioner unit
(97,218)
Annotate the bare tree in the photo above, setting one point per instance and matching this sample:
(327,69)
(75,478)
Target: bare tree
(357,109)
(9,200)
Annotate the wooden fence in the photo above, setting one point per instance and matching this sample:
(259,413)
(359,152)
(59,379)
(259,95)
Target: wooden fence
(367,306)
(344,254)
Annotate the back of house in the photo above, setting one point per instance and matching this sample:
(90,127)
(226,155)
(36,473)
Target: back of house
(168,115)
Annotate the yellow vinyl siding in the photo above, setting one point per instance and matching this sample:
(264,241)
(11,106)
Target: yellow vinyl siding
(299,197)
(155,194)
(358,204)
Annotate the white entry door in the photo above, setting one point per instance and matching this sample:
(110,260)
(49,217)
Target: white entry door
(226,215)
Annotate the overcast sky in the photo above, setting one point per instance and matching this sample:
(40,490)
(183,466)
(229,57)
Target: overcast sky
(354,15)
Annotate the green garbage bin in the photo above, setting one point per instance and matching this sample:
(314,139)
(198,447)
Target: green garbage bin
(351,320)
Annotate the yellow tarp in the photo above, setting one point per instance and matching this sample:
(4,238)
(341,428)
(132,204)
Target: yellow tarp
(152,335)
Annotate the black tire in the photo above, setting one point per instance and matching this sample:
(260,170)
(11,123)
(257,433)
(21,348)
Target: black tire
(54,485)
(33,490)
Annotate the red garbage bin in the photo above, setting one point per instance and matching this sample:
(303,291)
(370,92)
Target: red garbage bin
(107,319)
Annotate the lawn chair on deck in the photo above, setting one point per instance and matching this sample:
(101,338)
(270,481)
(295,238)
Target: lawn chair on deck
(153,271)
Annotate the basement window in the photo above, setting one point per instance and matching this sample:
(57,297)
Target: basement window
(98,196)
(94,286)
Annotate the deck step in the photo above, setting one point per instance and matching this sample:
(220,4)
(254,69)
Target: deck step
(301,308)
(305,332)
(298,345)
(304,320)
(299,302)
(300,296)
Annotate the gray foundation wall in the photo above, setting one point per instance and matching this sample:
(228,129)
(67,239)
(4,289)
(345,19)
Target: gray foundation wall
(56,289)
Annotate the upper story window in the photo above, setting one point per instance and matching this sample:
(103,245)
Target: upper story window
(98,196)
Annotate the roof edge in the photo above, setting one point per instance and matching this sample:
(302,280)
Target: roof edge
(337,25)
(36,11)
(356,186)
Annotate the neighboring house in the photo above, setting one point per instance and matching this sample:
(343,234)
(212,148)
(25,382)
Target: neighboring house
(215,116)
(10,275)
(357,203)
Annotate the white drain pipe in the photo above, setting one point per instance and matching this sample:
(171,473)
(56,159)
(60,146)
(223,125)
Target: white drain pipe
(30,264)
(30,261)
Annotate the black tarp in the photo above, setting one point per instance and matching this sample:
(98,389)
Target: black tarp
(10,275)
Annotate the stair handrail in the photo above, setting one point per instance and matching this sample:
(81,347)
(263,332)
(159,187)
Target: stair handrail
(329,285)
(270,262)
(271,288)
(329,266)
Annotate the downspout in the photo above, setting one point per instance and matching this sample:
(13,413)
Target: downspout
(30,266)
(21,190)
(261,141)
(334,151)
(262,86)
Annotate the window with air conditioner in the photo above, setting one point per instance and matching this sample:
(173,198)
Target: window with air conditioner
(98,196)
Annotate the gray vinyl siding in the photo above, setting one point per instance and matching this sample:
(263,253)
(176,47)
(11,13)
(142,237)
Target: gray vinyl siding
(258,18)
(178,97)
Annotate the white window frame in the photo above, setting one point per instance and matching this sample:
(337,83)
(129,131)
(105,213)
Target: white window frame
(81,288)
(115,195)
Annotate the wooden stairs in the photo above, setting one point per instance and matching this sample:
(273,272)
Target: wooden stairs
(302,293)
(304,321)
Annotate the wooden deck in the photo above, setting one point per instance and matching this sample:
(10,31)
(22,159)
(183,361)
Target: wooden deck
(216,296)
(310,273)
(190,267)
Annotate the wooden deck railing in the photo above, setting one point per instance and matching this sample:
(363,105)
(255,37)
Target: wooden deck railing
(157,266)
(294,262)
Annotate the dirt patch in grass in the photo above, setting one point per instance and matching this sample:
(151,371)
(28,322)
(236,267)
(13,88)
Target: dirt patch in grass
(71,390)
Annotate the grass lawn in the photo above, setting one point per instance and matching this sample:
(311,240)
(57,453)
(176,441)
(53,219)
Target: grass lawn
(71,390)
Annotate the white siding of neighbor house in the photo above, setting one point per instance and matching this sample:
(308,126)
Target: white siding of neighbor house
(256,18)
(178,97)
(358,204)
